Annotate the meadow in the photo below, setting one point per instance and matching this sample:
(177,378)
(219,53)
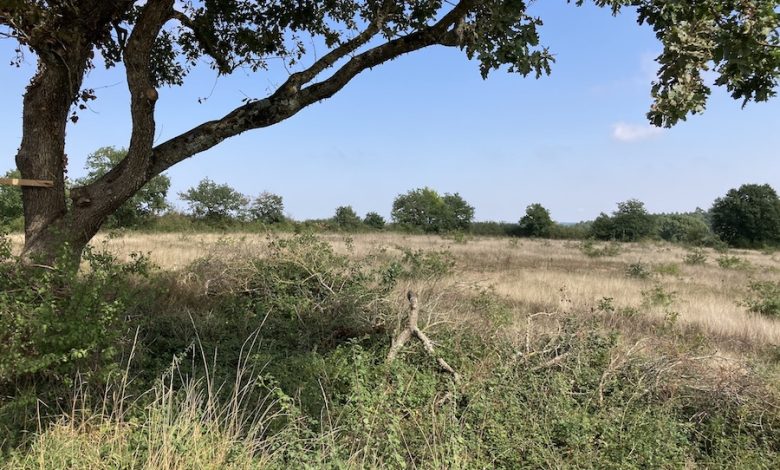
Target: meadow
(569,354)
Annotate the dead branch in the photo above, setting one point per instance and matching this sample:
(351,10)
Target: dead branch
(413,330)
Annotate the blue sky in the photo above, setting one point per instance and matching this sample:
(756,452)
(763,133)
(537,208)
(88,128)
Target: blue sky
(576,141)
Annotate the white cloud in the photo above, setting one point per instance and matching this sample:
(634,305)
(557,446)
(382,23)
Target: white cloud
(625,132)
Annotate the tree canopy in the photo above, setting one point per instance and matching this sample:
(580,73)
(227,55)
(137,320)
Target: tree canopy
(748,216)
(214,203)
(536,222)
(630,222)
(424,209)
(160,41)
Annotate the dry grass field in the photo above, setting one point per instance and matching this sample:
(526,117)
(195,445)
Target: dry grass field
(546,276)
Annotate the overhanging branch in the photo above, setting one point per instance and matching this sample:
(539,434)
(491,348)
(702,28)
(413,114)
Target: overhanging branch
(291,98)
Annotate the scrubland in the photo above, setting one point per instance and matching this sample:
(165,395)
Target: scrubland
(269,351)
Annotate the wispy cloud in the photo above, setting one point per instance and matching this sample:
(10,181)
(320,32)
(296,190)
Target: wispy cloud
(624,132)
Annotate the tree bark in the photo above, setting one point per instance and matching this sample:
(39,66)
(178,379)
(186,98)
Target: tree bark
(41,155)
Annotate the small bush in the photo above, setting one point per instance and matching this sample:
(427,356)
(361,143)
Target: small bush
(732,262)
(638,270)
(695,257)
(592,250)
(658,296)
(764,298)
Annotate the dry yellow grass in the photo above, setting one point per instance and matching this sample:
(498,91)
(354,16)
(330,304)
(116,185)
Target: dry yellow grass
(539,275)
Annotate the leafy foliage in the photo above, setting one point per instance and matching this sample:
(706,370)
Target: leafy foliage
(267,208)
(690,228)
(56,323)
(536,222)
(764,298)
(10,201)
(374,220)
(748,216)
(425,210)
(346,218)
(214,203)
(630,222)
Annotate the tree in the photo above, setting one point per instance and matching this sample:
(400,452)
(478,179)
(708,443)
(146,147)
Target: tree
(458,214)
(10,200)
(602,227)
(214,203)
(346,218)
(536,222)
(267,208)
(748,216)
(374,220)
(685,228)
(424,209)
(630,222)
(147,202)
(159,41)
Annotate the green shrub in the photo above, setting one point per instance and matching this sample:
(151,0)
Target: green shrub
(55,324)
(733,262)
(591,250)
(764,298)
(638,270)
(695,257)
(658,296)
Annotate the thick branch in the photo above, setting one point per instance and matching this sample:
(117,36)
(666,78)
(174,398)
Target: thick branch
(288,100)
(133,171)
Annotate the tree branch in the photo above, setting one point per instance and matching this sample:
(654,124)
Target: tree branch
(133,171)
(290,98)
(223,65)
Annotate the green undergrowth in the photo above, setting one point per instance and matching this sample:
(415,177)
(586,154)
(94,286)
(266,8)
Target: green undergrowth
(279,362)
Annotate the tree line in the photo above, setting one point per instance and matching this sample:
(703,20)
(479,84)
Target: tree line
(748,216)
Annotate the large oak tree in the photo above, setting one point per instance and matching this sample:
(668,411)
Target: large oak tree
(159,40)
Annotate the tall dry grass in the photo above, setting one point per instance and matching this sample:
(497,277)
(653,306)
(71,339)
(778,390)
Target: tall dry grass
(539,275)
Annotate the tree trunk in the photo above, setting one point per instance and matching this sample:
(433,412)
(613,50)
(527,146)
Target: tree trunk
(49,228)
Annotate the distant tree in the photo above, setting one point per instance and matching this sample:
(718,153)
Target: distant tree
(267,208)
(684,228)
(215,203)
(346,218)
(458,213)
(748,216)
(630,222)
(147,202)
(536,222)
(10,200)
(424,209)
(374,220)
(602,227)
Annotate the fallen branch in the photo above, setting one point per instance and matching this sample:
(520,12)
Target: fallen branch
(413,330)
